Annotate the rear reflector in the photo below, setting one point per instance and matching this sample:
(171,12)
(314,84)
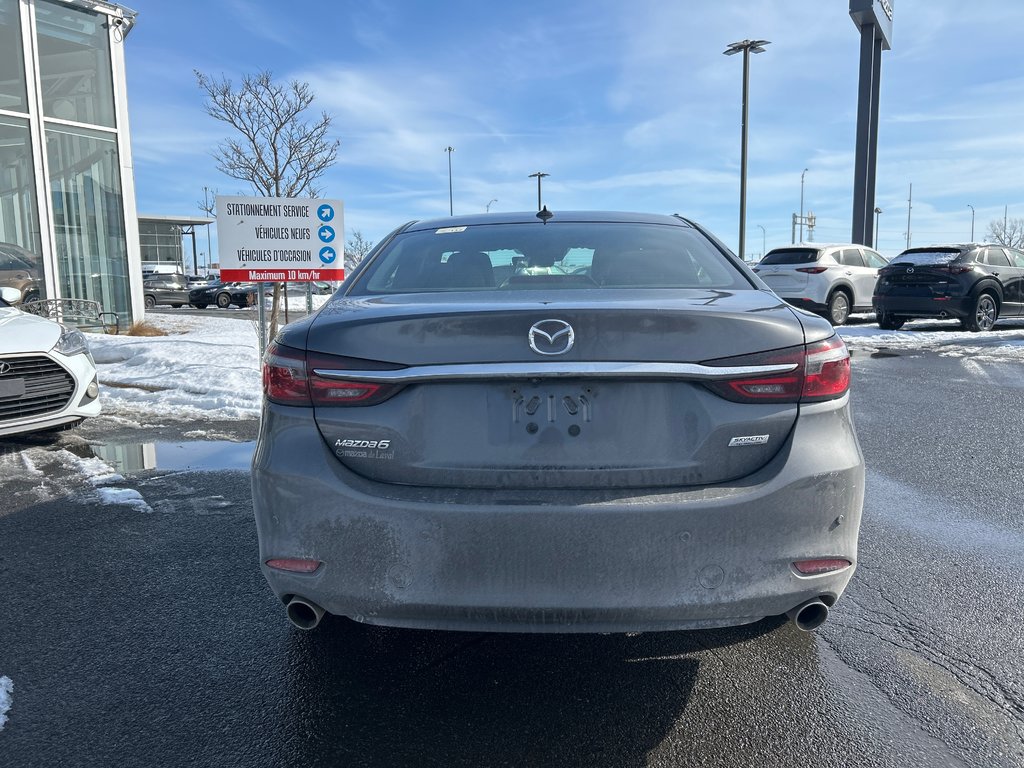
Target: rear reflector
(825,565)
(294,565)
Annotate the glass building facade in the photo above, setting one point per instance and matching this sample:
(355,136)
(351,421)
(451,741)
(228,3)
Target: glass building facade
(68,226)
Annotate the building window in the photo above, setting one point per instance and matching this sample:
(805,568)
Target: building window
(88,216)
(74,64)
(12,58)
(21,264)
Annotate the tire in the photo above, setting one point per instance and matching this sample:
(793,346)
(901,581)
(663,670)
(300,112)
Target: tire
(839,305)
(887,321)
(223,300)
(200,306)
(150,302)
(984,314)
(30,296)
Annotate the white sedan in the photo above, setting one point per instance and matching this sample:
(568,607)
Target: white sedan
(47,375)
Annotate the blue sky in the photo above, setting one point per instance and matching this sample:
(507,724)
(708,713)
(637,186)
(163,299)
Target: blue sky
(629,106)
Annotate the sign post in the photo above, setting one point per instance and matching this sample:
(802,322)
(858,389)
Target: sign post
(279,240)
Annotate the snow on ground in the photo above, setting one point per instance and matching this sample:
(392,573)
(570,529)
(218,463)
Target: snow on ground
(6,699)
(945,337)
(207,367)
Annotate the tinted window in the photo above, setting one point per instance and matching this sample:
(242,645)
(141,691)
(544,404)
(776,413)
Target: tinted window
(791,256)
(997,258)
(554,256)
(851,257)
(1017,257)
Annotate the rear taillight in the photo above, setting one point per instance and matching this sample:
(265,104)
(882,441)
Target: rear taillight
(293,377)
(284,376)
(821,371)
(812,270)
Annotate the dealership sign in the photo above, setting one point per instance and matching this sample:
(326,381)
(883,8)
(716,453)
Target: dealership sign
(280,239)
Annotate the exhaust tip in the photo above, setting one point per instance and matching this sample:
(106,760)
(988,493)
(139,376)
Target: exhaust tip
(809,616)
(304,614)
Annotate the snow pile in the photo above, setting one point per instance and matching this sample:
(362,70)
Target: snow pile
(206,367)
(945,337)
(101,475)
(6,699)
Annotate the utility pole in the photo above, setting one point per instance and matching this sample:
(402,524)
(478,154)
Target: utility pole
(910,206)
(802,204)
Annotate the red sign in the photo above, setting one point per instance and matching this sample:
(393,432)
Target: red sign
(281,275)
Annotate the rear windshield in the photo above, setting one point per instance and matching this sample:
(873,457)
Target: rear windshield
(553,256)
(932,256)
(792,256)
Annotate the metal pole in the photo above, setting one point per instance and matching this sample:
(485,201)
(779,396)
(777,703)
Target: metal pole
(910,206)
(802,205)
(451,207)
(763,240)
(539,175)
(972,221)
(195,261)
(878,211)
(262,312)
(743,155)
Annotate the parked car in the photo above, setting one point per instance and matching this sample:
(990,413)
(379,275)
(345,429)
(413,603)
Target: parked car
(974,283)
(224,295)
(47,375)
(162,288)
(472,434)
(833,280)
(20,269)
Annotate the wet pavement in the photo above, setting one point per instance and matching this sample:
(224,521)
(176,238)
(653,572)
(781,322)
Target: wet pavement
(145,635)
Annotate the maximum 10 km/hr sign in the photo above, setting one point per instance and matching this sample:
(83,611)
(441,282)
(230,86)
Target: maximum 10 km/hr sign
(280,239)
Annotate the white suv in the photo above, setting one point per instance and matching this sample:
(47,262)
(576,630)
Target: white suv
(830,279)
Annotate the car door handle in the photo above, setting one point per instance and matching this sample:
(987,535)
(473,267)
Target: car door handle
(995,274)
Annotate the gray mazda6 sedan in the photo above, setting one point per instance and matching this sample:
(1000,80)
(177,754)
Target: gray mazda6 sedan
(557,422)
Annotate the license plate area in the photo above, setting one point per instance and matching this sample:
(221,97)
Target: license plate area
(12,388)
(536,407)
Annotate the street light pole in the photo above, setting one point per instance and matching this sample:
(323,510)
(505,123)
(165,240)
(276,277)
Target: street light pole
(972,221)
(746,46)
(492,200)
(802,205)
(538,175)
(878,212)
(763,236)
(451,207)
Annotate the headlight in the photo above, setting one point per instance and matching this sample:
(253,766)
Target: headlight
(71,342)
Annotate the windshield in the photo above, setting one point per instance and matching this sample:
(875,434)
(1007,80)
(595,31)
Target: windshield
(555,256)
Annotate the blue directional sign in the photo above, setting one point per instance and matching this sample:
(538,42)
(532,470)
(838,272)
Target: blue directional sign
(324,212)
(325,233)
(328,254)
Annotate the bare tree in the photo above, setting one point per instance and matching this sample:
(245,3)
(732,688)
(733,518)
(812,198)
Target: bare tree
(1008,232)
(279,151)
(356,248)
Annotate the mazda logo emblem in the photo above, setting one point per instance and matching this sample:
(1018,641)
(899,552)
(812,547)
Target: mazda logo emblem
(551,337)
(910,270)
(5,368)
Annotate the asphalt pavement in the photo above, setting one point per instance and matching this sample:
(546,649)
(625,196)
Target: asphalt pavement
(145,635)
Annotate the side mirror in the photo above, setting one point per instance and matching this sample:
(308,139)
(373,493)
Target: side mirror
(10,295)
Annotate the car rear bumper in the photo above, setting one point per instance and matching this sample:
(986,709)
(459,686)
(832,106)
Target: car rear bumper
(558,561)
(911,306)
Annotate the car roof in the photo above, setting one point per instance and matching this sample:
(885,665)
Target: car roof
(525,217)
(819,246)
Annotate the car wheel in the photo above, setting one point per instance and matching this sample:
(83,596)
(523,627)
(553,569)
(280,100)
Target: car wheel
(223,300)
(887,321)
(200,306)
(838,307)
(984,316)
(150,302)
(30,296)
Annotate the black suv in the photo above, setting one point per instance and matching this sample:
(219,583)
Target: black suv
(976,284)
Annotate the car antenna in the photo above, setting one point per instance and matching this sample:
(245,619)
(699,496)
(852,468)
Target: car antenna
(544,214)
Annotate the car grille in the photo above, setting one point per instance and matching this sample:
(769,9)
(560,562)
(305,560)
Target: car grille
(48,388)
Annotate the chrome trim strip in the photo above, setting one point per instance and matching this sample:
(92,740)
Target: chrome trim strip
(559,370)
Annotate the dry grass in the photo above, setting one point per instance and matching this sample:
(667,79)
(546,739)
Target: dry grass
(143,328)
